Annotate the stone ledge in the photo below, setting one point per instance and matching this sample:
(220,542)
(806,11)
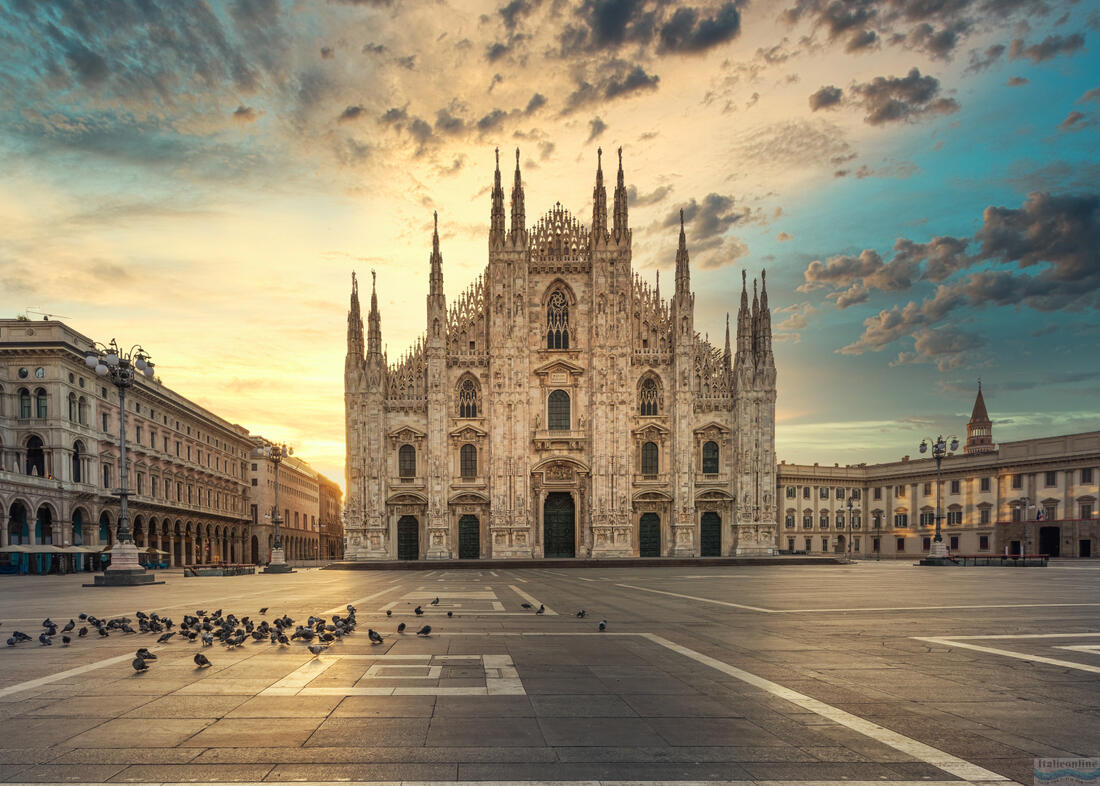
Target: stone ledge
(627,562)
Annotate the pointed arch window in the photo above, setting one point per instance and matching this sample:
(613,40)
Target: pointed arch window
(649,398)
(557,411)
(406,461)
(649,458)
(469,398)
(557,321)
(710,458)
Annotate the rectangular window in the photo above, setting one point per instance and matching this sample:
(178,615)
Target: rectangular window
(876,521)
(955,486)
(839,493)
(166,444)
(927,519)
(984,484)
(106,423)
(1050,512)
(823,492)
(983,543)
(878,492)
(1017,481)
(177,448)
(791,493)
(901,520)
(153,487)
(955,517)
(927,489)
(953,543)
(1086,475)
(926,544)
(467,460)
(255,515)
(855,543)
(137,432)
(1051,479)
(857,522)
(824,520)
(189,490)
(1017,513)
(141,483)
(106,476)
(983,515)
(876,545)
(1086,510)
(825,545)
(788,522)
(899,491)
(255,482)
(254,466)
(188,452)
(809,544)
(179,492)
(790,544)
(855,493)
(805,492)
(807,522)
(900,545)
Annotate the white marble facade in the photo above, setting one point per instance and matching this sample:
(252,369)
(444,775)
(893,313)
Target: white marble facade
(561,408)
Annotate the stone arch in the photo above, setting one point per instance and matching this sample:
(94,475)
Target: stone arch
(650,394)
(468,396)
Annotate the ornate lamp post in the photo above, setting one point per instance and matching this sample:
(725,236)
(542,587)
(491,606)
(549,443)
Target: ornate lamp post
(121,368)
(275,454)
(939,451)
(850,527)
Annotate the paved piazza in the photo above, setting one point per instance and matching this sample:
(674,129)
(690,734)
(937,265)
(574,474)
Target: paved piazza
(861,673)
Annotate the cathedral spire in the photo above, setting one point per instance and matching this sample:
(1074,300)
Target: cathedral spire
(683,274)
(755,322)
(726,356)
(355,321)
(518,215)
(599,201)
(435,278)
(658,287)
(620,220)
(767,359)
(496,221)
(374,322)
(979,431)
(744,337)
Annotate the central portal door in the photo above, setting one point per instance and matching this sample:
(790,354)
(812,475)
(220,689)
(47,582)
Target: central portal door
(558,525)
(710,535)
(1050,541)
(649,535)
(408,538)
(469,538)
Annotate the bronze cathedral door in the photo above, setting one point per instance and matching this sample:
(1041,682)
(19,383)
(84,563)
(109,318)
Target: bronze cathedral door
(558,525)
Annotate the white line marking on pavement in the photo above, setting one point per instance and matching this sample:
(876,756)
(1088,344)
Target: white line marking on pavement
(548,611)
(22,686)
(960,768)
(521,581)
(356,602)
(950,642)
(582,578)
(701,600)
(1026,636)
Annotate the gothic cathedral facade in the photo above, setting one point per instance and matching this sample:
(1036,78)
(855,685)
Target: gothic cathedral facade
(561,408)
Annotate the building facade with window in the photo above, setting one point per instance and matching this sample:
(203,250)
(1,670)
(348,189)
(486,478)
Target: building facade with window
(299,505)
(59,457)
(1034,496)
(560,408)
(330,518)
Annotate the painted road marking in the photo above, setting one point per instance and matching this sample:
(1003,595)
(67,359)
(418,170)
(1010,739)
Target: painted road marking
(356,602)
(36,683)
(701,600)
(548,611)
(954,641)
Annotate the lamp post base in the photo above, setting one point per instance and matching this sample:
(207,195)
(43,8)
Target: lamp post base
(278,563)
(938,550)
(125,570)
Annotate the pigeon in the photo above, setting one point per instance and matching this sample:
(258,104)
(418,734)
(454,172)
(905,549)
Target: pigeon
(83,616)
(435,602)
(263,610)
(389,612)
(374,636)
(317,649)
(425,631)
(401,627)
(201,660)
(418,611)
(139,665)
(542,609)
(69,627)
(45,640)
(166,636)
(66,638)
(603,625)
(83,631)
(450,613)
(144,654)
(581,613)
(48,623)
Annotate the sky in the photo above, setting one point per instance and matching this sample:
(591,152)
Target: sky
(920,180)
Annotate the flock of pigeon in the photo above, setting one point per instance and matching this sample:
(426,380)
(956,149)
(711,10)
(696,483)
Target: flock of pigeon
(317,633)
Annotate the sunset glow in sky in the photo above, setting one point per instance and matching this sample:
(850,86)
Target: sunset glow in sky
(919,179)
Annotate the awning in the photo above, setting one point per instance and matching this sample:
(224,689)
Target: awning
(33,548)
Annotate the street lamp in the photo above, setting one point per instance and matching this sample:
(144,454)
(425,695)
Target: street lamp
(850,498)
(275,454)
(121,368)
(939,451)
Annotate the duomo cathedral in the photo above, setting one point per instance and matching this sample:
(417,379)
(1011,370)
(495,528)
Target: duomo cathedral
(560,407)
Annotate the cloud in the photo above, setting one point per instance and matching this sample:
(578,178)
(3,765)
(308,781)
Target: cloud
(688,31)
(634,199)
(707,224)
(826,97)
(1090,95)
(863,40)
(596,126)
(492,121)
(783,237)
(1016,81)
(538,100)
(979,61)
(634,81)
(245,114)
(1050,47)
(351,113)
(611,79)
(327,53)
(1073,121)
(948,347)
(893,99)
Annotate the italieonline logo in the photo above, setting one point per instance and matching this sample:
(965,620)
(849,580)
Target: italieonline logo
(1049,772)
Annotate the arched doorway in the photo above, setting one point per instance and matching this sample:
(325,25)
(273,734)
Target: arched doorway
(36,457)
(78,537)
(649,535)
(19,534)
(469,538)
(408,538)
(1050,541)
(255,551)
(559,525)
(710,535)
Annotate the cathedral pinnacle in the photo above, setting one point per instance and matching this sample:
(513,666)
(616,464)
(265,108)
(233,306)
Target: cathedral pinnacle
(374,326)
(599,201)
(355,321)
(726,355)
(436,276)
(518,212)
(496,222)
(619,218)
(683,275)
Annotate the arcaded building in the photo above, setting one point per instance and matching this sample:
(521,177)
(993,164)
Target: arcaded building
(560,407)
